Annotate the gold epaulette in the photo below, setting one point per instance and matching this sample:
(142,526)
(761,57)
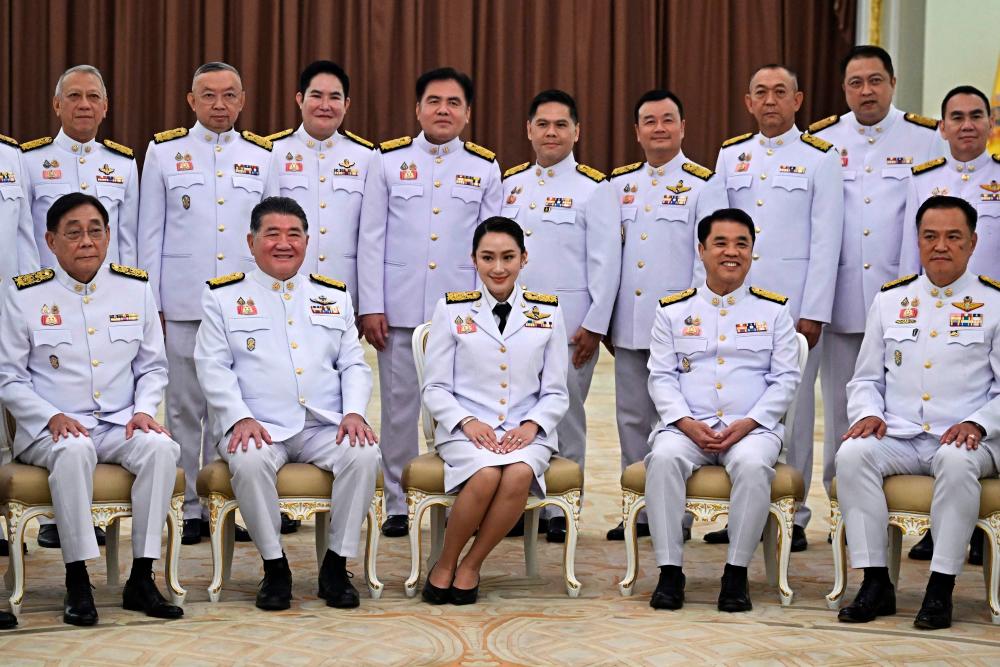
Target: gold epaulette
(678,297)
(538,297)
(737,140)
(263,142)
(36,143)
(625,169)
(816,142)
(927,166)
(768,295)
(996,158)
(118,148)
(923,121)
(590,172)
(280,135)
(695,169)
(359,140)
(986,280)
(170,135)
(905,280)
(329,282)
(129,272)
(9,140)
(462,297)
(484,153)
(227,279)
(823,124)
(516,170)
(37,278)
(394,144)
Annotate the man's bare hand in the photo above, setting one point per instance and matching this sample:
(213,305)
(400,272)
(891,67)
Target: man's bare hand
(356,430)
(811,329)
(866,427)
(586,343)
(63,426)
(145,423)
(699,432)
(244,431)
(375,329)
(966,433)
(732,434)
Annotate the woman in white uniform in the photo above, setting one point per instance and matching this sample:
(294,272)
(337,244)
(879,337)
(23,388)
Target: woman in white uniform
(495,383)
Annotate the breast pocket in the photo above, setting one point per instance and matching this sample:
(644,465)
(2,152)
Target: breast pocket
(756,343)
(126,333)
(560,216)
(896,173)
(114,193)
(690,345)
(467,194)
(739,181)
(791,183)
(628,214)
(52,337)
(185,180)
(329,321)
(406,191)
(849,174)
(253,185)
(965,337)
(900,334)
(675,214)
(510,212)
(52,190)
(242,324)
(291,182)
(11,192)
(988,209)
(348,184)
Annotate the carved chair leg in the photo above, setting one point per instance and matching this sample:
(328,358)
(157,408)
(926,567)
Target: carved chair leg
(228,544)
(112,536)
(175,528)
(839,548)
(531,542)
(895,551)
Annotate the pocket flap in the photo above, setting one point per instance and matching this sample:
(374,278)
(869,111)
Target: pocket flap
(125,332)
(12,192)
(329,321)
(690,344)
(112,192)
(249,323)
(790,182)
(628,213)
(900,333)
(348,184)
(185,180)
(754,342)
(249,184)
(849,174)
(292,181)
(510,211)
(672,213)
(52,190)
(407,191)
(467,194)
(898,173)
(739,181)
(560,216)
(966,336)
(51,336)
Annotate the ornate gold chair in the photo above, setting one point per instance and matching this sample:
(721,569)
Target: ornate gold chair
(303,492)
(909,500)
(708,491)
(24,495)
(423,479)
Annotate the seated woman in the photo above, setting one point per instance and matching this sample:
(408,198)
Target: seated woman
(495,383)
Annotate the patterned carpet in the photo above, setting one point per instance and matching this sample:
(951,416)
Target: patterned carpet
(518,621)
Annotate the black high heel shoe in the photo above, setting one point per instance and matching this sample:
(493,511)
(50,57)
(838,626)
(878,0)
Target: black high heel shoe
(461,596)
(431,594)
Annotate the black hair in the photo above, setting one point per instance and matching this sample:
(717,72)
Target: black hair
(725,215)
(867,51)
(324,67)
(499,225)
(946,201)
(554,95)
(446,74)
(282,205)
(67,203)
(655,96)
(965,90)
(791,73)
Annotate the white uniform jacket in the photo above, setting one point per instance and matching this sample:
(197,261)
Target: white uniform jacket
(21,256)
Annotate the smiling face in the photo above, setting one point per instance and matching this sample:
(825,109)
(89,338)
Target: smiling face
(443,111)
(323,105)
(868,89)
(81,106)
(773,101)
(279,246)
(946,244)
(726,255)
(966,126)
(499,261)
(660,131)
(80,242)
(217,100)
(552,133)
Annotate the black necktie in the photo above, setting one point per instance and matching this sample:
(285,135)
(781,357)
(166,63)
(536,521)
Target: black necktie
(502,310)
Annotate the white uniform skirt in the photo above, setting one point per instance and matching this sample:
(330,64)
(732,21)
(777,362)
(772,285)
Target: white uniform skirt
(463,460)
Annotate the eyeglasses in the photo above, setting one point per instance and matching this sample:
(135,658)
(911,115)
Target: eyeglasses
(95,234)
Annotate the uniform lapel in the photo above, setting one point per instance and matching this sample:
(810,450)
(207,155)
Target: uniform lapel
(483,317)
(516,319)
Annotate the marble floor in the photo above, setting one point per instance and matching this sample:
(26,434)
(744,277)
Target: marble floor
(519,620)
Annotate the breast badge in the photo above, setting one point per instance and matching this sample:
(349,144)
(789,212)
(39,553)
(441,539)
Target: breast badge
(992,191)
(908,312)
(685,365)
(557,202)
(692,326)
(51,316)
(744,161)
(123,317)
(465,326)
(897,357)
(791,169)
(246,307)
(51,170)
(322,305)
(186,201)
(408,172)
(751,327)
(898,160)
(512,197)
(346,168)
(54,361)
(680,188)
(965,320)
(967,304)
(246,169)
(629,195)
(293,163)
(251,344)
(471,181)
(183,162)
(537,319)
(843,158)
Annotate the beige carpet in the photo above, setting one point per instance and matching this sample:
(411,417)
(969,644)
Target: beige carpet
(518,620)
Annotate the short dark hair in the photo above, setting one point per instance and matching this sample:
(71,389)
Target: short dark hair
(500,225)
(67,203)
(867,51)
(965,90)
(792,73)
(655,96)
(736,215)
(446,74)
(554,95)
(323,67)
(282,205)
(945,202)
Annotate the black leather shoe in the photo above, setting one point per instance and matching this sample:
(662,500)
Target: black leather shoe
(976,547)
(396,525)
(462,596)
(875,598)
(192,531)
(100,536)
(78,605)
(335,583)
(543,525)
(241,534)
(141,594)
(7,620)
(717,536)
(275,592)
(734,595)
(48,536)
(799,541)
(431,594)
(935,612)
(924,549)
(556,530)
(517,530)
(617,534)
(289,526)
(669,593)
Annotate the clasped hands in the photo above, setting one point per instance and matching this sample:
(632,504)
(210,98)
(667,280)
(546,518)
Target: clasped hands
(713,441)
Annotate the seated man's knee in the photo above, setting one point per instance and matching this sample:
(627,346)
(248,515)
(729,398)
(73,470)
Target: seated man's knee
(159,445)
(251,460)
(75,451)
(854,453)
(367,457)
(949,459)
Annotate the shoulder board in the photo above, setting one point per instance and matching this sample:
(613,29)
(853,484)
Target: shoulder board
(516,170)
(538,297)
(329,282)
(905,280)
(986,280)
(590,172)
(816,142)
(394,144)
(737,140)
(9,140)
(695,169)
(823,124)
(280,135)
(996,158)
(484,153)
(227,279)
(678,297)
(36,278)
(359,140)
(768,295)
(263,142)
(118,148)
(927,166)
(923,121)
(36,143)
(626,169)
(170,135)
(129,271)
(462,297)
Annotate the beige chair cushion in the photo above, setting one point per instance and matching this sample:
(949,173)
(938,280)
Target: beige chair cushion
(426,473)
(30,484)
(295,480)
(913,493)
(713,482)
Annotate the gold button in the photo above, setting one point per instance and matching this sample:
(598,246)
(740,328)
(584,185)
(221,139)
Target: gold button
(867,232)
(78,287)
(757,229)
(218,149)
(723,312)
(322,179)
(927,364)
(965,177)
(295,345)
(322,258)
(222,228)
(91,330)
(83,186)
(220,256)
(432,265)
(926,397)
(938,304)
(503,367)
(219,173)
(640,263)
(648,208)
(435,210)
(655,182)
(871,140)
(434,237)
(644,236)
(934,291)
(302,400)
(868,169)
(532,206)
(322,204)
(718,413)
(501,417)
(322,230)
(722,337)
(221,201)
(715,301)
(298,371)
(756,256)
(763,177)
(638,292)
(97,394)
(503,385)
(83,160)
(503,349)
(927,427)
(286,296)
(523,287)
(868,200)
(503,401)
(438,160)
(437,184)
(718,385)
(760,202)
(86,299)
(541,181)
(933,333)
(721,361)
(770,151)
(95,363)
(867,265)
(322,156)
(527,232)
(291,322)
